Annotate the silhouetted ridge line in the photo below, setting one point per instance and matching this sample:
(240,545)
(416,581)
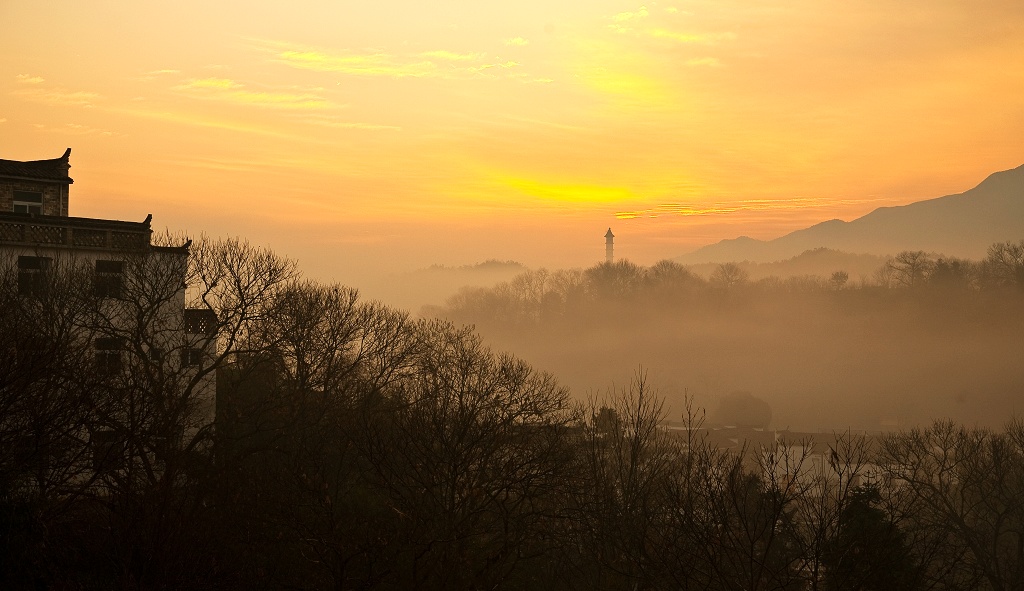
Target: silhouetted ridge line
(962,224)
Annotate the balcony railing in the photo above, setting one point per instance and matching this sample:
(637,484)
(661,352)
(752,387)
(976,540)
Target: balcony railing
(68,232)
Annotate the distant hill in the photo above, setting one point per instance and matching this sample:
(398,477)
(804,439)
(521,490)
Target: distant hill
(819,261)
(964,225)
(435,284)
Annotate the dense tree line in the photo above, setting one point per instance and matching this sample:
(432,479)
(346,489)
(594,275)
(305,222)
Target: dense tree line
(542,296)
(355,447)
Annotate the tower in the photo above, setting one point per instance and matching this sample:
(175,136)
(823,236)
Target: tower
(609,246)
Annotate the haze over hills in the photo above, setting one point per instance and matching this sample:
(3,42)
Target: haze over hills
(435,284)
(964,225)
(819,261)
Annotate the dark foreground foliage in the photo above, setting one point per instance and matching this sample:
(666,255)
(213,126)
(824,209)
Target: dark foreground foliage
(356,448)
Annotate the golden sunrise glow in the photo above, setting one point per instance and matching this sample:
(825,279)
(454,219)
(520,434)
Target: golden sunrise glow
(446,132)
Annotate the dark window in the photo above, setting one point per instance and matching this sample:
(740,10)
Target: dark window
(200,321)
(107,450)
(156,354)
(28,202)
(32,452)
(33,275)
(191,357)
(108,355)
(108,279)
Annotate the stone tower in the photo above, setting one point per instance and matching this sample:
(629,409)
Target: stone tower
(609,246)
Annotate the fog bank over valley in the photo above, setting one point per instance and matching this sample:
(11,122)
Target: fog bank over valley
(921,338)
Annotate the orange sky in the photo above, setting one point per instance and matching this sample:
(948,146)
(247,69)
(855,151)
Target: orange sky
(396,134)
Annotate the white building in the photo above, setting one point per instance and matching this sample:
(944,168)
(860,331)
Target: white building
(149,351)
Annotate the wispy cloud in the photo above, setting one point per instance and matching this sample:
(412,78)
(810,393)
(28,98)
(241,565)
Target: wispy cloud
(516,42)
(626,22)
(154,74)
(711,62)
(182,118)
(31,88)
(694,38)
(746,205)
(631,16)
(325,120)
(642,23)
(559,190)
(439,63)
(227,90)
(374,64)
(451,56)
(74,129)
(214,83)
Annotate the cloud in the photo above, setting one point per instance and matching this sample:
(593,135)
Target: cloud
(485,67)
(451,56)
(74,129)
(227,90)
(693,38)
(636,23)
(216,83)
(517,42)
(710,62)
(337,123)
(366,64)
(57,97)
(3,120)
(631,16)
(564,191)
(227,125)
(438,63)
(755,205)
(154,74)
(622,22)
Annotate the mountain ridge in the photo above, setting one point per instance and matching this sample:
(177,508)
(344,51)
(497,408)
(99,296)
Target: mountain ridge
(961,224)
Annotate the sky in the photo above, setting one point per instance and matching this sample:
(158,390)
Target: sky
(372,137)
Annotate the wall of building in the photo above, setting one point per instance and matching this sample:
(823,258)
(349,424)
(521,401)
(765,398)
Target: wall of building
(54,195)
(145,274)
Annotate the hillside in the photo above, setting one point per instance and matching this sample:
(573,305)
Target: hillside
(819,261)
(964,224)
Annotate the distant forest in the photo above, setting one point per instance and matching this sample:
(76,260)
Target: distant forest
(920,337)
(355,447)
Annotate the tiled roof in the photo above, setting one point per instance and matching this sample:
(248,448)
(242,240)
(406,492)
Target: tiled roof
(43,170)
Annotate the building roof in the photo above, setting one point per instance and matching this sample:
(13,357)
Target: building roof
(55,169)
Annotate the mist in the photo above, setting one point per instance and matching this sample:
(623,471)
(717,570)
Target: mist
(824,351)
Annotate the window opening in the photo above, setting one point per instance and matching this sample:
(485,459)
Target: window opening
(32,274)
(28,202)
(107,450)
(191,357)
(108,355)
(108,280)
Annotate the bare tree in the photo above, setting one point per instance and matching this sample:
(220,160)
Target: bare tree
(839,279)
(910,268)
(962,488)
(729,275)
(619,498)
(1004,264)
(467,452)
